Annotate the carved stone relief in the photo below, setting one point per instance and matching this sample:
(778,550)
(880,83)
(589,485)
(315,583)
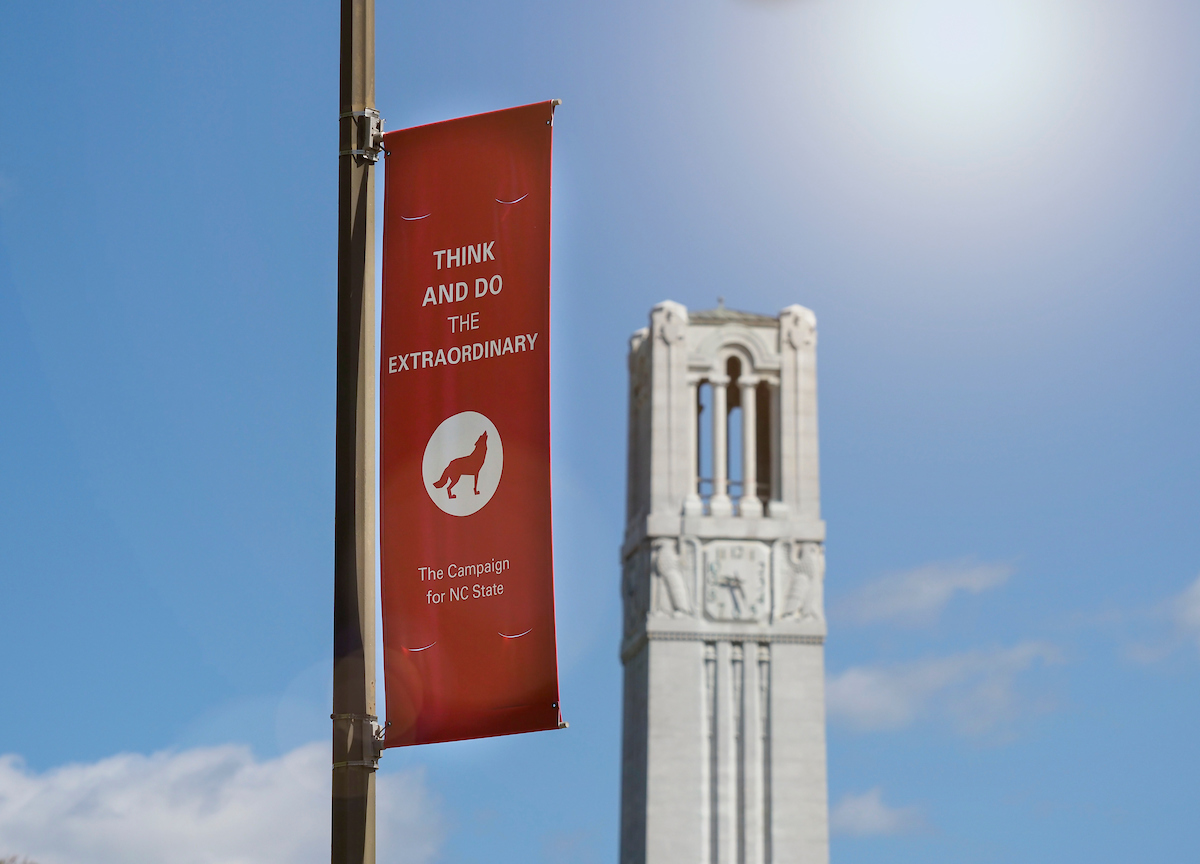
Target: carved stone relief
(671,594)
(799,330)
(802,582)
(673,327)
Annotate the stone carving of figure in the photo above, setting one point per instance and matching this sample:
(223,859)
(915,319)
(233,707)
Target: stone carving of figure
(673,327)
(670,587)
(804,583)
(799,328)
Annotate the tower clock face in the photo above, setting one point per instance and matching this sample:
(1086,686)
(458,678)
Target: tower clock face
(736,586)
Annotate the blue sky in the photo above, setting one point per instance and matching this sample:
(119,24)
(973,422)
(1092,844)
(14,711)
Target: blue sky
(992,206)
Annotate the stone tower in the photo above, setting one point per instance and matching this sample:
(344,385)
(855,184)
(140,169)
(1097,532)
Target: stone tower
(722,574)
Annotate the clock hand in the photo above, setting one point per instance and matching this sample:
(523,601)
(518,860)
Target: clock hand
(734,584)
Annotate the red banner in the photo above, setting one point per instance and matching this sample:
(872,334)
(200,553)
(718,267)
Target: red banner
(464,432)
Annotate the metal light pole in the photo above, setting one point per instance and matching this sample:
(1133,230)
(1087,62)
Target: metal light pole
(355,750)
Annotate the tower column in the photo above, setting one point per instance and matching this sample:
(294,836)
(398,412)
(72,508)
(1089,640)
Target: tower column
(720,505)
(692,505)
(775,506)
(749,505)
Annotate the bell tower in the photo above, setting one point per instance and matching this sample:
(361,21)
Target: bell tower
(723,566)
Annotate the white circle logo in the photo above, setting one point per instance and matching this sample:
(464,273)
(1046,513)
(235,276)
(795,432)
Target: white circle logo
(462,464)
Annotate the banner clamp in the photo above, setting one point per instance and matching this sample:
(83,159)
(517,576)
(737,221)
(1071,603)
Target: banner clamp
(371,734)
(368,133)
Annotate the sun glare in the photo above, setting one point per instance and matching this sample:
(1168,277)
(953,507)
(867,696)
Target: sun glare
(962,72)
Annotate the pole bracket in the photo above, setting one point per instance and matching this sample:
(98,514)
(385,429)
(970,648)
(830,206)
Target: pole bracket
(371,734)
(367,135)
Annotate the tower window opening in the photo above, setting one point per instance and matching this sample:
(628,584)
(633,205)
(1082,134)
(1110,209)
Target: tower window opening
(733,434)
(764,453)
(737,482)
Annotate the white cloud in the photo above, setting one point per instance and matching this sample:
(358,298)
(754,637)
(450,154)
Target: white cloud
(918,596)
(1153,633)
(866,814)
(1185,609)
(212,805)
(975,690)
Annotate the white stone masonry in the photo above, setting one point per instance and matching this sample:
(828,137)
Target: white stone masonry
(724,719)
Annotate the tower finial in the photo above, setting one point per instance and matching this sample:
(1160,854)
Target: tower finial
(720,302)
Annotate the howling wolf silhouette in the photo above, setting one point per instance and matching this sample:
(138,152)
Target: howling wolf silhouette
(462,466)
